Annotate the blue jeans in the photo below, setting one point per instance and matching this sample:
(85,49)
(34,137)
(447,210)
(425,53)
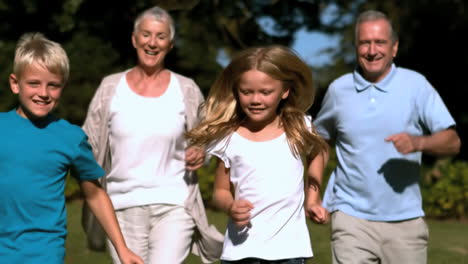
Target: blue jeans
(263,261)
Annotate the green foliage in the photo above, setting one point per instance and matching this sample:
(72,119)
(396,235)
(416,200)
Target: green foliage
(91,59)
(72,188)
(331,165)
(206,177)
(97,38)
(205,28)
(99,44)
(445,190)
(7,53)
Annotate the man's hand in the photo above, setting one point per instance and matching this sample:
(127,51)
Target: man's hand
(406,143)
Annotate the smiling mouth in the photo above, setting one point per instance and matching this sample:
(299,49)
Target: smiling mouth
(373,59)
(152,53)
(41,103)
(255,110)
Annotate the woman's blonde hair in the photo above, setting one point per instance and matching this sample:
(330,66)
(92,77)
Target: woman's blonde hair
(223,115)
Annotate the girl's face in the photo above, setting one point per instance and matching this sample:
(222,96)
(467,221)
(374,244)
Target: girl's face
(259,97)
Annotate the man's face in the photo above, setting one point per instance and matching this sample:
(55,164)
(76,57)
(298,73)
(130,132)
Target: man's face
(375,49)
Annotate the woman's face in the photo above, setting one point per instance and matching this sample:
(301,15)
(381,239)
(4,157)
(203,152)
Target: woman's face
(152,41)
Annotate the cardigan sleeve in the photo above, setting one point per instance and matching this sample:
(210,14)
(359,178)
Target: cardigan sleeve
(93,120)
(95,124)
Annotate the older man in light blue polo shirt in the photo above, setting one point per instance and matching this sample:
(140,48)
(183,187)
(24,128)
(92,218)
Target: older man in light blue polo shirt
(381,119)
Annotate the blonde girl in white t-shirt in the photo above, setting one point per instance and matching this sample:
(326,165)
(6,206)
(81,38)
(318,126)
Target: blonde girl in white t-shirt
(255,125)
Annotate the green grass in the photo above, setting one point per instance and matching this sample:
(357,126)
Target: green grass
(448,241)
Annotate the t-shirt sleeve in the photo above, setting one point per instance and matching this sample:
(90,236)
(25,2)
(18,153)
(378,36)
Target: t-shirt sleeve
(84,166)
(218,149)
(324,121)
(308,121)
(432,111)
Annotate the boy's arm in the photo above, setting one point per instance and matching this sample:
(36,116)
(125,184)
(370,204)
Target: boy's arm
(102,207)
(313,183)
(238,210)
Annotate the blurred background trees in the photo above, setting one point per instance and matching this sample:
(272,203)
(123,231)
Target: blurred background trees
(96,35)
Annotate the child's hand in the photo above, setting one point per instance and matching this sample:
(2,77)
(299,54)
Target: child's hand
(128,257)
(317,213)
(240,212)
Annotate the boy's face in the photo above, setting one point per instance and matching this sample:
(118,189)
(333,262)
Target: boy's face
(38,91)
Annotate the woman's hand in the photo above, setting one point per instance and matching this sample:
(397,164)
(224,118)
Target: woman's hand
(194,157)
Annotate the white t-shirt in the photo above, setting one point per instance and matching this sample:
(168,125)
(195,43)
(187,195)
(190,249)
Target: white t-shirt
(269,176)
(147,147)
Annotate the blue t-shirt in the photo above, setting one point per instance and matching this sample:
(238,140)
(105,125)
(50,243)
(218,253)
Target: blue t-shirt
(34,161)
(373,180)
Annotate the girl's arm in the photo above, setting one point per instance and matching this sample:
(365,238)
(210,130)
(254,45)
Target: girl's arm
(102,207)
(238,210)
(313,183)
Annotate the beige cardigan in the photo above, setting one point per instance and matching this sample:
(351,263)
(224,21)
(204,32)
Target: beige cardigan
(207,241)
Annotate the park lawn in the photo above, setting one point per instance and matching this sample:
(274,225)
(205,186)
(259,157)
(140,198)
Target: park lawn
(448,241)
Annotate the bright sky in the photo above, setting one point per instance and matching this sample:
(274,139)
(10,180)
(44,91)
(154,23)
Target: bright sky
(310,46)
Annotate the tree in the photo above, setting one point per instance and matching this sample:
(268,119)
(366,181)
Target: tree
(96,35)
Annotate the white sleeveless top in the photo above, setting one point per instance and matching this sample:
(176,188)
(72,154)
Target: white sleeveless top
(147,147)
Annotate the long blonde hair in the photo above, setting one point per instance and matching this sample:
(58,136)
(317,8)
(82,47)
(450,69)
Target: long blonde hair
(222,114)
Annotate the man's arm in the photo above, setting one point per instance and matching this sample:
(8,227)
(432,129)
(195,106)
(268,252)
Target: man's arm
(442,143)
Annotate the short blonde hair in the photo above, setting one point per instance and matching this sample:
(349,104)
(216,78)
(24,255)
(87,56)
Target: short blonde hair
(36,48)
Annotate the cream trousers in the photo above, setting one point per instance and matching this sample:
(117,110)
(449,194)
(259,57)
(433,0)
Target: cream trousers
(159,233)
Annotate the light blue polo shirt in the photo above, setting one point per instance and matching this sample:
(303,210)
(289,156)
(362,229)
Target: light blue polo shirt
(373,180)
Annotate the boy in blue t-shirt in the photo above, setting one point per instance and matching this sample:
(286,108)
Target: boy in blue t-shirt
(36,152)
